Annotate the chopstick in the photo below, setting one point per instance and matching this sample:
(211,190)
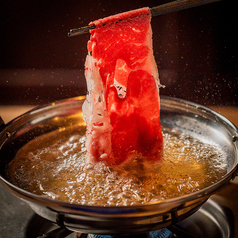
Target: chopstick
(155,11)
(177,6)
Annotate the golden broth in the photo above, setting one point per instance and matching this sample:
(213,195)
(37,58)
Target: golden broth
(53,165)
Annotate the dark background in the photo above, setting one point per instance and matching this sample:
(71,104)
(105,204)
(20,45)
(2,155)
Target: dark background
(195,49)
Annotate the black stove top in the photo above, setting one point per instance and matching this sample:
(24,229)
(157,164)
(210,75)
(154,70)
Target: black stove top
(18,220)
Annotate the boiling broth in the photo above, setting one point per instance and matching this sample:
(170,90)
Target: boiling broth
(53,165)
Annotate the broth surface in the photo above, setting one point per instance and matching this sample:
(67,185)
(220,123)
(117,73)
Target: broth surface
(53,165)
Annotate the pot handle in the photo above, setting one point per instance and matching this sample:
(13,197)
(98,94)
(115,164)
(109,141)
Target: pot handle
(2,124)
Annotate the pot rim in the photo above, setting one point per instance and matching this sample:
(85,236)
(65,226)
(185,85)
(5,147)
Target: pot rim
(203,193)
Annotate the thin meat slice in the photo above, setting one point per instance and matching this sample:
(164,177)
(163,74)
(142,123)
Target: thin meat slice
(122,109)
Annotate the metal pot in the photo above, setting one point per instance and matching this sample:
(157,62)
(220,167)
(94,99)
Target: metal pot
(193,119)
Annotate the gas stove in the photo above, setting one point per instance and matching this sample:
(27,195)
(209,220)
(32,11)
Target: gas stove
(218,217)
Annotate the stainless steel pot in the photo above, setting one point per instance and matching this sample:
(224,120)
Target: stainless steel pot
(191,118)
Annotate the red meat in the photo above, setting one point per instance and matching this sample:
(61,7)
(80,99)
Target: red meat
(122,109)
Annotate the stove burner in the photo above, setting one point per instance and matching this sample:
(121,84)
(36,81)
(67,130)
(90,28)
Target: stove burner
(161,233)
(211,220)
